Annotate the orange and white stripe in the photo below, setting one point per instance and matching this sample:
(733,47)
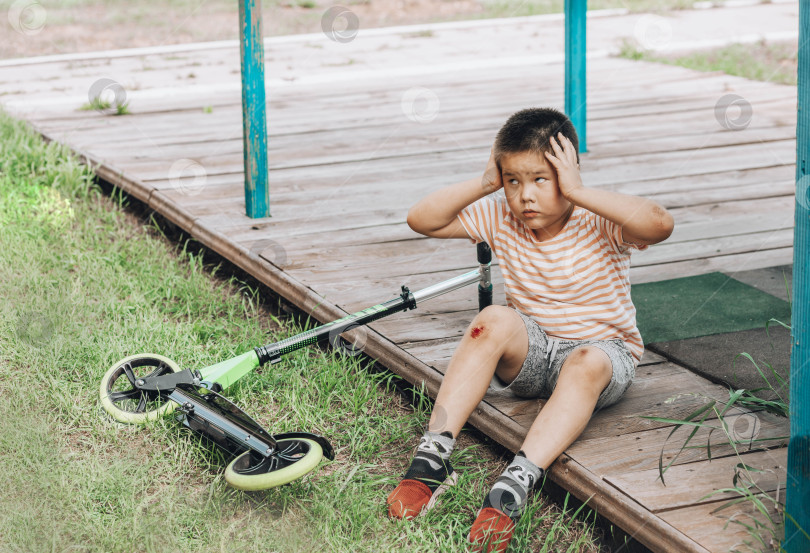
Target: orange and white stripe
(576,285)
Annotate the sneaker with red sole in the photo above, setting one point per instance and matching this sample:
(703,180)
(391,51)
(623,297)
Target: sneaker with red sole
(492,531)
(412,498)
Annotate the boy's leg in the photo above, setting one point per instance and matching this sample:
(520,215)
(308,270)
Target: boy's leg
(583,376)
(496,341)
(586,372)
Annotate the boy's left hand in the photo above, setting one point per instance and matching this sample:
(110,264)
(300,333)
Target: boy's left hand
(564,161)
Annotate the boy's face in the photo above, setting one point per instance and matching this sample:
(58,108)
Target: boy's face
(530,186)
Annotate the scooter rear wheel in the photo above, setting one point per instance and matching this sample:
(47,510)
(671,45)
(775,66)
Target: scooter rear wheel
(294,457)
(127,404)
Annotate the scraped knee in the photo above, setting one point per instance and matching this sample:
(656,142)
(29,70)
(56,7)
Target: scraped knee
(491,321)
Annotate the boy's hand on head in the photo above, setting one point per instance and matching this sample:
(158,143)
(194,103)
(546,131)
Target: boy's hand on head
(491,180)
(564,161)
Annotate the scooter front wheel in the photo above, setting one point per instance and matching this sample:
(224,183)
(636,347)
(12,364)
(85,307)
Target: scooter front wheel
(123,401)
(294,457)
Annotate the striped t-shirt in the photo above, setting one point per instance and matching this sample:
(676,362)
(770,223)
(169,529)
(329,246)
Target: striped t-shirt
(575,285)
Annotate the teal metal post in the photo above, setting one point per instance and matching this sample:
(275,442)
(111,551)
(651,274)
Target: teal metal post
(575,100)
(797,503)
(254,112)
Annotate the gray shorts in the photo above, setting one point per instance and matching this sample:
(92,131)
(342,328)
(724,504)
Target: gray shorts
(539,373)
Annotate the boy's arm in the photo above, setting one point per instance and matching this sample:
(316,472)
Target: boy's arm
(643,221)
(436,215)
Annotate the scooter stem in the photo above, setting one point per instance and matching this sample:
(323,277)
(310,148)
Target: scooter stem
(332,331)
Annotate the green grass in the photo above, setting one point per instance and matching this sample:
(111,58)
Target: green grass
(105,106)
(84,282)
(774,62)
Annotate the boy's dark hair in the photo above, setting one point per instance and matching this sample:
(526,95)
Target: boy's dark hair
(529,130)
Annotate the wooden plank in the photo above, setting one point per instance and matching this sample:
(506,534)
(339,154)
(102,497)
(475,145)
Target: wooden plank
(717,531)
(511,405)
(220,132)
(657,108)
(729,223)
(725,263)
(403,194)
(668,128)
(437,352)
(670,396)
(714,195)
(398,146)
(640,451)
(711,247)
(373,169)
(667,163)
(667,83)
(684,231)
(691,483)
(664,88)
(424,178)
(384,112)
(721,180)
(356,293)
(379,259)
(732,249)
(745,215)
(649,529)
(692,224)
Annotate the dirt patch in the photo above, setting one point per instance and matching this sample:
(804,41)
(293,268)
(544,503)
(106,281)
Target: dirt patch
(46,28)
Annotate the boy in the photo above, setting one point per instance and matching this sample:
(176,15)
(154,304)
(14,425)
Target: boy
(568,330)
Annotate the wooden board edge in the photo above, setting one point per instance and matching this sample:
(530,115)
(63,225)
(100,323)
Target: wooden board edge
(620,509)
(566,472)
(637,521)
(642,525)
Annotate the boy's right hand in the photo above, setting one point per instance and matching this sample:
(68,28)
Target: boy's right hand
(491,179)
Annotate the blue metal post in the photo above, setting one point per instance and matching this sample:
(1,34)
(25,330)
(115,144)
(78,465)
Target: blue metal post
(575,97)
(797,503)
(254,113)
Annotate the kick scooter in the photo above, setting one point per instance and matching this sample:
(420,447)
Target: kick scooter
(147,386)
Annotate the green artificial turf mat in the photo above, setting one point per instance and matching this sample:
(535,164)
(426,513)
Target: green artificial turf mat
(702,305)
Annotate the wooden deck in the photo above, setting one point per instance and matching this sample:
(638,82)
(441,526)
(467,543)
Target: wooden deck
(347,163)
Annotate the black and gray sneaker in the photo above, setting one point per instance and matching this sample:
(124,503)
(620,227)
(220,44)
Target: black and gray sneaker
(429,475)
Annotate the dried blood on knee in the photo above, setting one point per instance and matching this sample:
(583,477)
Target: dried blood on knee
(477,331)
